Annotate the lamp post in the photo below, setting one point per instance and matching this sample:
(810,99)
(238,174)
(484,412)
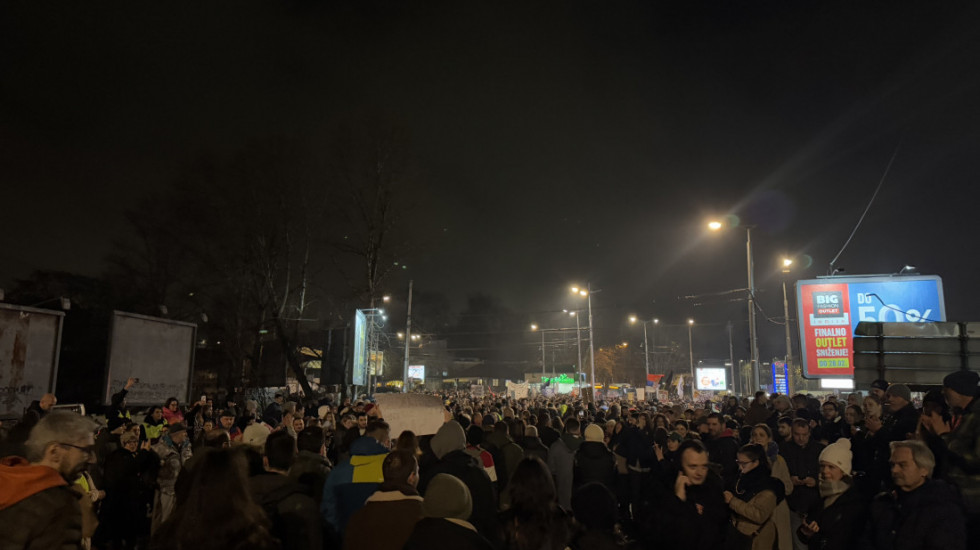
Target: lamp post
(750,269)
(408,336)
(690,351)
(787,265)
(578,345)
(646,345)
(543,372)
(587,293)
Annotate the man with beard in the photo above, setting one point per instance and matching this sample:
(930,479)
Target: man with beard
(38,509)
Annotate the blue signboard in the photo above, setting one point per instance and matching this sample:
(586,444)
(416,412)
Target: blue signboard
(897,300)
(780,378)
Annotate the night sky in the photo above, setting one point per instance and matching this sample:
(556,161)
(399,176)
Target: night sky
(556,142)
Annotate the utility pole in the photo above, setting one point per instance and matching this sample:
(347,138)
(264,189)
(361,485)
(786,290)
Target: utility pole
(789,344)
(408,337)
(731,357)
(753,337)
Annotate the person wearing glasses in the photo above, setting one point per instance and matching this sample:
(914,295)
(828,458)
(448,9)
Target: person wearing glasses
(754,500)
(38,508)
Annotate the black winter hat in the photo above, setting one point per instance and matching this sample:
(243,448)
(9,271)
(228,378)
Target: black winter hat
(963,382)
(880,384)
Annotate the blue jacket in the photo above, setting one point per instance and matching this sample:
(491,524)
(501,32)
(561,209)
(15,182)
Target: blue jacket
(351,483)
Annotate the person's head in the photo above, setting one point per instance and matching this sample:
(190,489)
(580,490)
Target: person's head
(761,435)
(854,398)
(280,452)
(407,441)
(960,387)
(911,464)
(871,404)
(379,430)
(348,421)
(674,441)
(362,420)
(531,486)
(310,439)
(835,460)
(208,425)
(177,433)
(220,472)
(156,413)
(400,469)
(298,425)
(878,388)
(801,432)
(217,439)
(784,427)
(227,419)
(760,397)
(681,427)
(572,426)
(716,424)
(750,457)
(829,411)
(47,401)
(278,398)
(63,441)
(853,415)
(171,403)
(694,461)
(129,441)
(447,497)
(531,432)
(897,396)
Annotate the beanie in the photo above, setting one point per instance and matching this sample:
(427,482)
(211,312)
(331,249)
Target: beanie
(963,382)
(594,433)
(447,497)
(176,428)
(899,390)
(449,438)
(838,454)
(879,384)
(256,434)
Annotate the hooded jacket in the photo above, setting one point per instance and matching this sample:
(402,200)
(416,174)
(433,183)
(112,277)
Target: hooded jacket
(38,509)
(455,461)
(561,461)
(963,456)
(595,462)
(352,482)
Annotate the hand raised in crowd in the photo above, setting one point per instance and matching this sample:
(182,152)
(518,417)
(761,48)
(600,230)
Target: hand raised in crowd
(130,383)
(810,529)
(935,423)
(728,496)
(680,487)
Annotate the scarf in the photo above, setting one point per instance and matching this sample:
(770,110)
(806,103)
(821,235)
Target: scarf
(757,480)
(831,490)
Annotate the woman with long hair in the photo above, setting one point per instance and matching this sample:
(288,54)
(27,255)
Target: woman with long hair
(762,436)
(755,499)
(237,523)
(534,521)
(171,411)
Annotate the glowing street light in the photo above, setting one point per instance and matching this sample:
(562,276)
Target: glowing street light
(534,327)
(587,293)
(714,225)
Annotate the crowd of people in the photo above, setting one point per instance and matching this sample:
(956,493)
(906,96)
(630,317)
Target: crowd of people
(774,472)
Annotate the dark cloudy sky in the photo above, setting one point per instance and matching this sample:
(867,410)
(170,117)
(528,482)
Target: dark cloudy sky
(556,141)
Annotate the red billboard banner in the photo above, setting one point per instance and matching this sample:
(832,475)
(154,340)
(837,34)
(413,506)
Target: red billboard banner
(826,329)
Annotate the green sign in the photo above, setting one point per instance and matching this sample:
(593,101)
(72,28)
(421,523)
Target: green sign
(560,379)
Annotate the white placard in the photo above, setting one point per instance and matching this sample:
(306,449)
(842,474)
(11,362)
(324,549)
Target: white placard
(422,414)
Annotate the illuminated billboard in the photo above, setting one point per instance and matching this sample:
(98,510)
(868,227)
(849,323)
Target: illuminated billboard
(829,310)
(416,372)
(359,363)
(711,379)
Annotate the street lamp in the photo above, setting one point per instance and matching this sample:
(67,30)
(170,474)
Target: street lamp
(578,346)
(587,293)
(690,351)
(750,268)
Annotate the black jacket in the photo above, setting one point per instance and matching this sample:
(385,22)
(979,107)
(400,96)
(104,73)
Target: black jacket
(803,462)
(928,518)
(48,519)
(595,462)
(293,514)
(697,523)
(841,523)
(468,469)
(441,533)
(722,451)
(534,447)
(902,422)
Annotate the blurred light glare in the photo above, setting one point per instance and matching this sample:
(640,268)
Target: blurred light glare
(632,318)
(714,225)
(690,321)
(534,326)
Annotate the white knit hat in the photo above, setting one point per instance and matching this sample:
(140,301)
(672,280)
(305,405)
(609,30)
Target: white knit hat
(594,433)
(838,454)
